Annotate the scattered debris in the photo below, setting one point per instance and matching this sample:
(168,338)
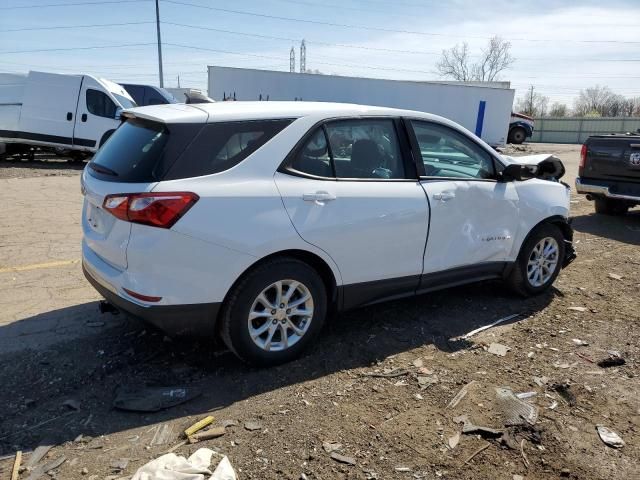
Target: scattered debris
(331,446)
(470,428)
(498,349)
(525,395)
(199,425)
(514,410)
(525,460)
(553,405)
(477,452)
(564,390)
(427,381)
(578,309)
(16,465)
(341,458)
(614,360)
(454,440)
(461,394)
(486,327)
(39,453)
(541,381)
(120,465)
(609,437)
(398,372)
(252,425)
(579,343)
(584,357)
(162,434)
(40,470)
(72,404)
(615,276)
(402,469)
(229,423)
(418,362)
(153,399)
(214,432)
(173,467)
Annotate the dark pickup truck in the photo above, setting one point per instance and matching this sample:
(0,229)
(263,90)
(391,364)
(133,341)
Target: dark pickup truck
(609,172)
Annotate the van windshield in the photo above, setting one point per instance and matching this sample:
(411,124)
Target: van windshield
(124,101)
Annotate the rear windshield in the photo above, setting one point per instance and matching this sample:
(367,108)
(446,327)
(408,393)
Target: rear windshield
(141,151)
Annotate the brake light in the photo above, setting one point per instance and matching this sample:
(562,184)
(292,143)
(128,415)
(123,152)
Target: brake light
(161,210)
(583,155)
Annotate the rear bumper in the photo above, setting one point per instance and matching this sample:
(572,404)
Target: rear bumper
(603,188)
(195,319)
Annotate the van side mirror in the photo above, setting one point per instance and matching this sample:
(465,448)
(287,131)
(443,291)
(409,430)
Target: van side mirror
(515,171)
(118,113)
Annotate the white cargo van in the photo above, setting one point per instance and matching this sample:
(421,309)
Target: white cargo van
(75,113)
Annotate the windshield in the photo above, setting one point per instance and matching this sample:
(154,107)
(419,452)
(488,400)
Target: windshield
(124,101)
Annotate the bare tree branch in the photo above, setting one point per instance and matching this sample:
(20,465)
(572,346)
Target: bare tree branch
(455,63)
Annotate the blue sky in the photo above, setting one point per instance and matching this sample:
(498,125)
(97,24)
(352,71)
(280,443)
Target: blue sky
(560,47)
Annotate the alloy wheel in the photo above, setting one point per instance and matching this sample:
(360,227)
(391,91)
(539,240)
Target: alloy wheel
(280,315)
(542,262)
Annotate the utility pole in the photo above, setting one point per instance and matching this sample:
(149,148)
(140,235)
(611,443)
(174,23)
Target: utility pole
(303,57)
(159,44)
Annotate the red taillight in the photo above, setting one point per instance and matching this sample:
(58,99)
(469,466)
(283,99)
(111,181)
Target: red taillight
(139,296)
(583,155)
(155,209)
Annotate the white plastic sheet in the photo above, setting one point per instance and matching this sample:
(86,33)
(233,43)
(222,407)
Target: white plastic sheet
(196,467)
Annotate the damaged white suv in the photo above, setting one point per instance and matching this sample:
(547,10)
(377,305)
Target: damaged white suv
(254,219)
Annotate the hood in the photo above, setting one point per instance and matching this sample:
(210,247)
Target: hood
(549,167)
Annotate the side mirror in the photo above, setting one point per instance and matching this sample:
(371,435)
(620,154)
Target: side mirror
(515,171)
(118,113)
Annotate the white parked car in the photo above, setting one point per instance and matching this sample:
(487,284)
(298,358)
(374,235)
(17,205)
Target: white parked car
(255,219)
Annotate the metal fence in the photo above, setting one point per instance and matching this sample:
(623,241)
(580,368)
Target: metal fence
(577,129)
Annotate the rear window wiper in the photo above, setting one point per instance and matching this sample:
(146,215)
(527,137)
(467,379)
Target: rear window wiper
(102,169)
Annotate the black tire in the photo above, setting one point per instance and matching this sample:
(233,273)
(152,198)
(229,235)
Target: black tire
(607,206)
(518,278)
(517,135)
(234,327)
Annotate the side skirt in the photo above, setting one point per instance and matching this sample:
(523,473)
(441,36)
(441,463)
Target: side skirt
(369,293)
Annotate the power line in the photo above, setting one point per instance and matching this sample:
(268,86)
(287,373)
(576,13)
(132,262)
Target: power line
(22,7)
(77,48)
(380,29)
(62,27)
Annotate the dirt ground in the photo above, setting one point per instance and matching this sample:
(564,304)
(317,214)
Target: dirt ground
(380,381)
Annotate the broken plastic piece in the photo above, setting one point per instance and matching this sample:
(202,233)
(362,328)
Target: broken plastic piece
(609,437)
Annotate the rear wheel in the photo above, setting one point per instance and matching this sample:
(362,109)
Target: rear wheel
(539,261)
(517,135)
(607,206)
(274,312)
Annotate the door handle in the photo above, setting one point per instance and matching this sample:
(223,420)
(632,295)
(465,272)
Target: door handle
(84,117)
(69,116)
(318,197)
(444,196)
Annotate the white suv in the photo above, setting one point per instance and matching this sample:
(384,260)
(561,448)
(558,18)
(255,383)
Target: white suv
(254,219)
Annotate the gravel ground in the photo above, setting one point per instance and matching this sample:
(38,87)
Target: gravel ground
(378,381)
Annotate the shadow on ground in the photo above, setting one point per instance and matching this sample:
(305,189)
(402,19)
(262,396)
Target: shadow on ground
(622,228)
(123,352)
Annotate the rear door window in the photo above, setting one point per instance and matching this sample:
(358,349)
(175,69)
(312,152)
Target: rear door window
(222,145)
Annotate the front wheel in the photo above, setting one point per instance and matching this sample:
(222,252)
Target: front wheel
(274,312)
(517,135)
(539,261)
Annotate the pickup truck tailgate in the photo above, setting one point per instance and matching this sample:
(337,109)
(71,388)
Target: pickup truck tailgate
(613,158)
